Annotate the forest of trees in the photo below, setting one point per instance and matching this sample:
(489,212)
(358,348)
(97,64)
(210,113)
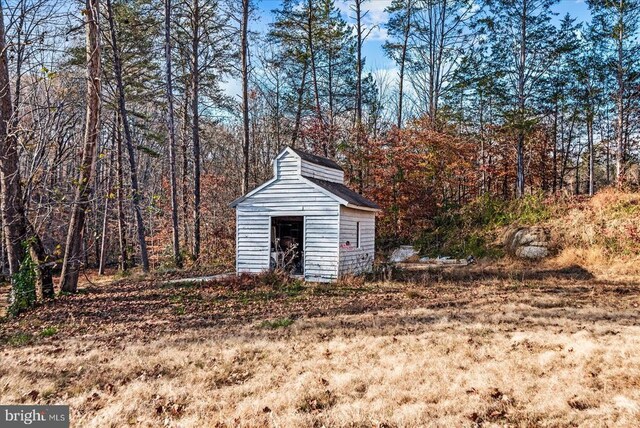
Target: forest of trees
(120,147)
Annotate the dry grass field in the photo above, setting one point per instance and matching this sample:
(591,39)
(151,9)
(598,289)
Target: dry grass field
(471,347)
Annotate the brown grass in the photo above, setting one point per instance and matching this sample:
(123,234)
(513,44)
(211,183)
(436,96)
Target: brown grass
(467,347)
(601,232)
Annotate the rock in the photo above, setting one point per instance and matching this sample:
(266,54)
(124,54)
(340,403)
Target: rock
(532,252)
(528,242)
(402,253)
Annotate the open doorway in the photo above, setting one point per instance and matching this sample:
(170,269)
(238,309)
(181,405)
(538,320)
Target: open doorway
(287,244)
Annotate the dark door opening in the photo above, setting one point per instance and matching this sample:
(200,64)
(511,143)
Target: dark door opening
(287,244)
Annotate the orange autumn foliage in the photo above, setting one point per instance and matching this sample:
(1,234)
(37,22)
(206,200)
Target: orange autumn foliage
(414,172)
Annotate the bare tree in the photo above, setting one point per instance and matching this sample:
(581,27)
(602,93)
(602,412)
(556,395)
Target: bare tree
(13,215)
(135,188)
(195,124)
(244,53)
(172,134)
(73,248)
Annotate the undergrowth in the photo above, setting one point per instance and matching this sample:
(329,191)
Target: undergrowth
(586,230)
(273,281)
(23,293)
(277,323)
(471,229)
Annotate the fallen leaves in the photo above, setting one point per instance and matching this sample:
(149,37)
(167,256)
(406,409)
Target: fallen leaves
(470,315)
(33,395)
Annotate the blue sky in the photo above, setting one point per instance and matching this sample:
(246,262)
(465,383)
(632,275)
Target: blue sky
(376,17)
(376,60)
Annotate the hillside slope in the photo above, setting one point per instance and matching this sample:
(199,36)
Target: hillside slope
(601,233)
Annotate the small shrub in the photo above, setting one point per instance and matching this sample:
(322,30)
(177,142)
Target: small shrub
(413,294)
(121,274)
(351,281)
(294,288)
(19,339)
(280,281)
(23,286)
(321,400)
(49,331)
(277,323)
(529,210)
(273,278)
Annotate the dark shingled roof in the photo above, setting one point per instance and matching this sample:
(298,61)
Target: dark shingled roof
(343,192)
(318,160)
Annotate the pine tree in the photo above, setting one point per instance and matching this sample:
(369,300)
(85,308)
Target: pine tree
(400,27)
(443,30)
(128,138)
(588,68)
(616,24)
(525,44)
(205,41)
(171,130)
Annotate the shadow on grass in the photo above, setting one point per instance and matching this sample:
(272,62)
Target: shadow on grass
(474,273)
(146,309)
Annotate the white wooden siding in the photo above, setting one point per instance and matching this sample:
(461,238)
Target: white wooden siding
(353,259)
(289,196)
(322,173)
(321,247)
(252,242)
(288,165)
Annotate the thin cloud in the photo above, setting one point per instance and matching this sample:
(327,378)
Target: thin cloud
(374,19)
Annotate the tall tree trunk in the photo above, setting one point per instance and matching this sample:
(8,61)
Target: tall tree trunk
(185,168)
(566,151)
(3,252)
(483,171)
(577,189)
(328,144)
(122,226)
(135,190)
(312,57)
(359,41)
(520,183)
(590,144)
(620,153)
(245,95)
(44,274)
(105,221)
(299,105)
(73,248)
(590,141)
(13,215)
(403,60)
(177,259)
(195,126)
(554,185)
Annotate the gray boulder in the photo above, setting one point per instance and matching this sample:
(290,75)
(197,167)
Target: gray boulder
(532,252)
(402,253)
(528,242)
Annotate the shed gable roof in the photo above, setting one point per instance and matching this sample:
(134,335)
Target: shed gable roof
(338,191)
(343,192)
(318,160)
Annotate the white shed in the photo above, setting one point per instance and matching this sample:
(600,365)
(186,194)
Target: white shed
(306,220)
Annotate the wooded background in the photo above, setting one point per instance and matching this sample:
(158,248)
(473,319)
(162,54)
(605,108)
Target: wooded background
(120,147)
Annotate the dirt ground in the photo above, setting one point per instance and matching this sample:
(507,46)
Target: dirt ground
(465,347)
